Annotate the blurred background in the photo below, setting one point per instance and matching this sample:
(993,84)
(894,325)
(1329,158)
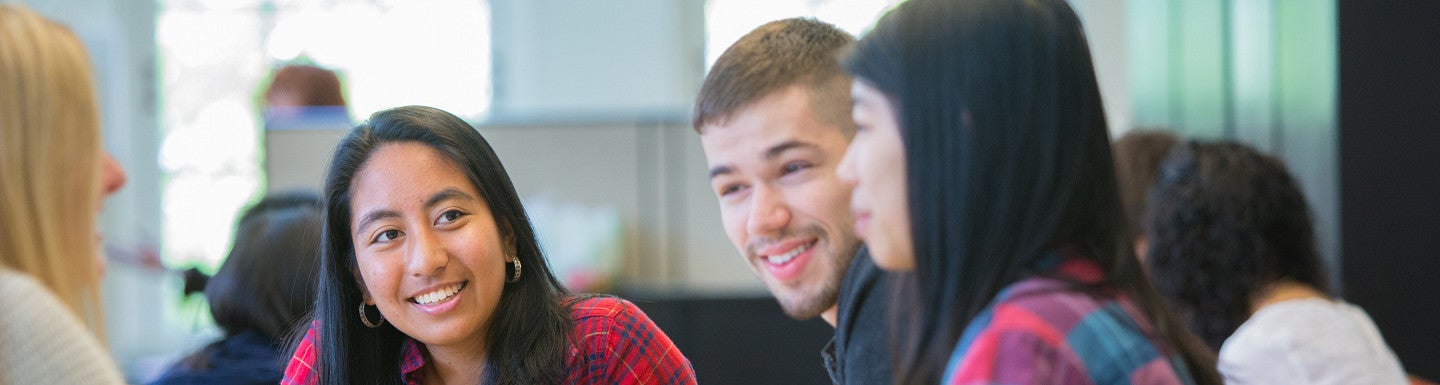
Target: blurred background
(588,103)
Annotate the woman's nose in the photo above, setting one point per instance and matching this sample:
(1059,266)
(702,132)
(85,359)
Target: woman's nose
(112,177)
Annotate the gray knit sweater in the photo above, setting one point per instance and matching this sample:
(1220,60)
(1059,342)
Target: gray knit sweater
(42,342)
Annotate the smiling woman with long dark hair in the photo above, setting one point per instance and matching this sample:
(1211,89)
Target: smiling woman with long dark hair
(431,273)
(983,173)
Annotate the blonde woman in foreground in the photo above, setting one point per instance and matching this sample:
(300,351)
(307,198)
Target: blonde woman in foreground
(54,175)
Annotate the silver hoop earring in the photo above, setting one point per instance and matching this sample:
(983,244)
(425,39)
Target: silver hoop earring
(366,320)
(515,277)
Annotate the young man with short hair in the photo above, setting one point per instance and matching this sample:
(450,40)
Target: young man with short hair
(774,121)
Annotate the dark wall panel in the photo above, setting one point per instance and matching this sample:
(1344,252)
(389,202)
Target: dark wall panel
(741,340)
(1390,171)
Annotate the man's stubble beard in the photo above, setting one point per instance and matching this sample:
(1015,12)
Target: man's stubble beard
(808,303)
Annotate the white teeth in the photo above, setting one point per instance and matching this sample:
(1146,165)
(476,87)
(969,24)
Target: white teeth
(438,295)
(782,258)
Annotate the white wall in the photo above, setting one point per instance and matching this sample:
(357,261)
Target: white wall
(627,59)
(1105,28)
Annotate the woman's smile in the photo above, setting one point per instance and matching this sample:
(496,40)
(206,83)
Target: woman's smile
(437,300)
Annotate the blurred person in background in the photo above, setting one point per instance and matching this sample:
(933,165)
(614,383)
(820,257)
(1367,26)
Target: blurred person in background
(1138,154)
(1232,246)
(54,177)
(264,288)
(304,96)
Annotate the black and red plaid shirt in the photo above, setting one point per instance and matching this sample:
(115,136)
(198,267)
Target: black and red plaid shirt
(613,343)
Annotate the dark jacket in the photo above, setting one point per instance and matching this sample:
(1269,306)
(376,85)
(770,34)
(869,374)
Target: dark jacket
(860,352)
(245,358)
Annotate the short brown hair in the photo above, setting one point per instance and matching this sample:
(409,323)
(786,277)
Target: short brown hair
(309,85)
(1138,155)
(779,54)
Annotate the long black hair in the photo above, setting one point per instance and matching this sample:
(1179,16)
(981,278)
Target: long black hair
(531,327)
(1007,158)
(1225,221)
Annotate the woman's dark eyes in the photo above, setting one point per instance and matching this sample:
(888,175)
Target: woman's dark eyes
(449,216)
(387,235)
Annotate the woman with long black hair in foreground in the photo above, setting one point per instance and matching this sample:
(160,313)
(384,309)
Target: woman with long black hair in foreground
(983,171)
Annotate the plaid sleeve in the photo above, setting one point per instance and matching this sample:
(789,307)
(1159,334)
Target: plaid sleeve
(1016,351)
(1060,338)
(618,344)
(301,369)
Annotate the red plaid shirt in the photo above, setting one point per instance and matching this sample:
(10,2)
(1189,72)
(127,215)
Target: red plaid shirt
(1041,330)
(613,343)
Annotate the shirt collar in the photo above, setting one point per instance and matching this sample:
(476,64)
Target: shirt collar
(412,358)
(1060,269)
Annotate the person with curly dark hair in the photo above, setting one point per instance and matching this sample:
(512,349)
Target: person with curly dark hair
(1233,248)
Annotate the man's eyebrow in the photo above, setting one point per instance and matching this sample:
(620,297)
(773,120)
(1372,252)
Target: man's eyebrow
(776,150)
(770,154)
(720,170)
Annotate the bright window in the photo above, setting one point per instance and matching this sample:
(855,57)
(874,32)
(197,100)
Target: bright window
(215,55)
